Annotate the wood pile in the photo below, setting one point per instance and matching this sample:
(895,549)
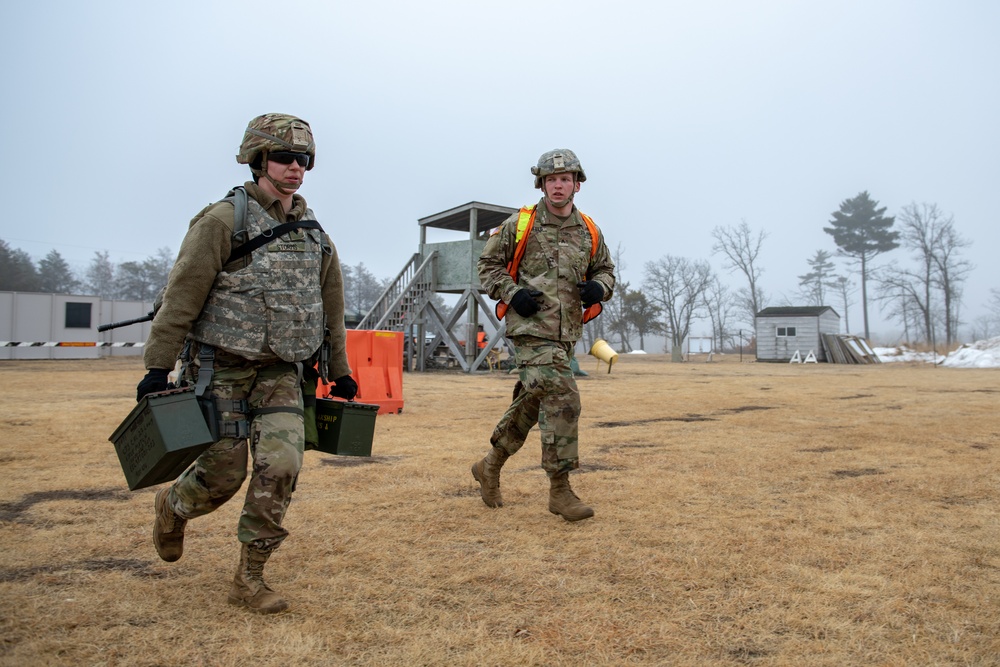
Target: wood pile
(848,349)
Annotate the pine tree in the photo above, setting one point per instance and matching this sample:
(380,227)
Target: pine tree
(55,275)
(17,271)
(862,232)
(815,283)
(100,279)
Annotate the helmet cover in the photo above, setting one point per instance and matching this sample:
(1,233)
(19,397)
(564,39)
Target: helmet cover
(274,132)
(557,161)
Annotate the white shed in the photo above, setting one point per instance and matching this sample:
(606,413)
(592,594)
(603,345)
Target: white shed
(784,330)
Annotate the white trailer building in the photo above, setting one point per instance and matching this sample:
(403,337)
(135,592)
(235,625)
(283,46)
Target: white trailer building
(64,326)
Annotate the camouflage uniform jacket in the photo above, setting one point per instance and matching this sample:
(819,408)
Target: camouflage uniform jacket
(556,258)
(200,267)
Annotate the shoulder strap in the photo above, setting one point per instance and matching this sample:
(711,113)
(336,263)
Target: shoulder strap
(243,247)
(525,220)
(594,233)
(593,310)
(240,216)
(271,234)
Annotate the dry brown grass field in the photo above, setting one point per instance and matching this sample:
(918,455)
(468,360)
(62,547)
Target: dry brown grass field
(746,514)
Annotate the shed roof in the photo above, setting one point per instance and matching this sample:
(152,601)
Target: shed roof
(488,216)
(786,311)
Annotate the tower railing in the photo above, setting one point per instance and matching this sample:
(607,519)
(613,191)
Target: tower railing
(404,298)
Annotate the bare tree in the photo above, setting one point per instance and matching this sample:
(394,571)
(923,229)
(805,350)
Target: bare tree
(741,247)
(844,288)
(951,274)
(143,280)
(677,285)
(615,313)
(906,295)
(937,282)
(988,324)
(595,329)
(157,268)
(720,303)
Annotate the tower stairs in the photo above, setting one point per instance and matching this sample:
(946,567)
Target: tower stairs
(408,303)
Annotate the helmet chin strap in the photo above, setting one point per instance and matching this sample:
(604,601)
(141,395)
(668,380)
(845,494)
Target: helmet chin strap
(553,203)
(282,186)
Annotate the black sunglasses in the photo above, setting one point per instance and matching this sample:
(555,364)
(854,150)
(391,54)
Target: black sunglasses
(287,157)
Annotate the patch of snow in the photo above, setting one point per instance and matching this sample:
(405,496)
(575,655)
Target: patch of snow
(981,354)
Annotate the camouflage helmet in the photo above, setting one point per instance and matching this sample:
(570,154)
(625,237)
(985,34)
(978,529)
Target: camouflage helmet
(276,132)
(557,161)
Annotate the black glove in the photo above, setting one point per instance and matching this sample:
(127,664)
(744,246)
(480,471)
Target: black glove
(155,380)
(591,292)
(345,387)
(525,302)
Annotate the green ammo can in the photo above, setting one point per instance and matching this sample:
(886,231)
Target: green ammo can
(345,428)
(161,437)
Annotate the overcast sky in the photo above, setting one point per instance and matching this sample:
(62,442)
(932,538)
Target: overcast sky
(121,120)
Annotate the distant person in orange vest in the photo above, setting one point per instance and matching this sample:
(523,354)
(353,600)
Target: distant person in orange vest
(255,289)
(549,269)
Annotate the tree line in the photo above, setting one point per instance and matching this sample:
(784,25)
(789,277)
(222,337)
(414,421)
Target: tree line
(127,281)
(139,280)
(923,295)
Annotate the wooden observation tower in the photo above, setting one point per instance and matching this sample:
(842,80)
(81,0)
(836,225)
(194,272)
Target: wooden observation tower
(407,304)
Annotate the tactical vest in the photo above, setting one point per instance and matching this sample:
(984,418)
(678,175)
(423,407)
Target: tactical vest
(525,220)
(272,307)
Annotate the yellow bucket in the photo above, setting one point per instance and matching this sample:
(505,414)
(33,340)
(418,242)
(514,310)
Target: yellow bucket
(604,353)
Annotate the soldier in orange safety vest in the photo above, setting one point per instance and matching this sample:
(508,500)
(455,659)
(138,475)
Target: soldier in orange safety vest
(549,269)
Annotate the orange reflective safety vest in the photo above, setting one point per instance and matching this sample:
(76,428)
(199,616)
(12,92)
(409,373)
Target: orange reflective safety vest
(525,219)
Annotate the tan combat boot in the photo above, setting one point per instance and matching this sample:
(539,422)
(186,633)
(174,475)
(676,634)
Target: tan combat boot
(249,589)
(487,473)
(168,528)
(564,502)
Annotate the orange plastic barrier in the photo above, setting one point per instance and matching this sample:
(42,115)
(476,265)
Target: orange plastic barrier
(376,359)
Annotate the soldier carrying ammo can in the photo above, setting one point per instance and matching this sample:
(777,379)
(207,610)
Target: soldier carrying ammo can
(255,288)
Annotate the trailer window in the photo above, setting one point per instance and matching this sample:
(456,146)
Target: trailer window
(78,315)
(786,332)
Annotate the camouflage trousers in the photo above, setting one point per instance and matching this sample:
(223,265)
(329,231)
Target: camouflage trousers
(276,444)
(546,395)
